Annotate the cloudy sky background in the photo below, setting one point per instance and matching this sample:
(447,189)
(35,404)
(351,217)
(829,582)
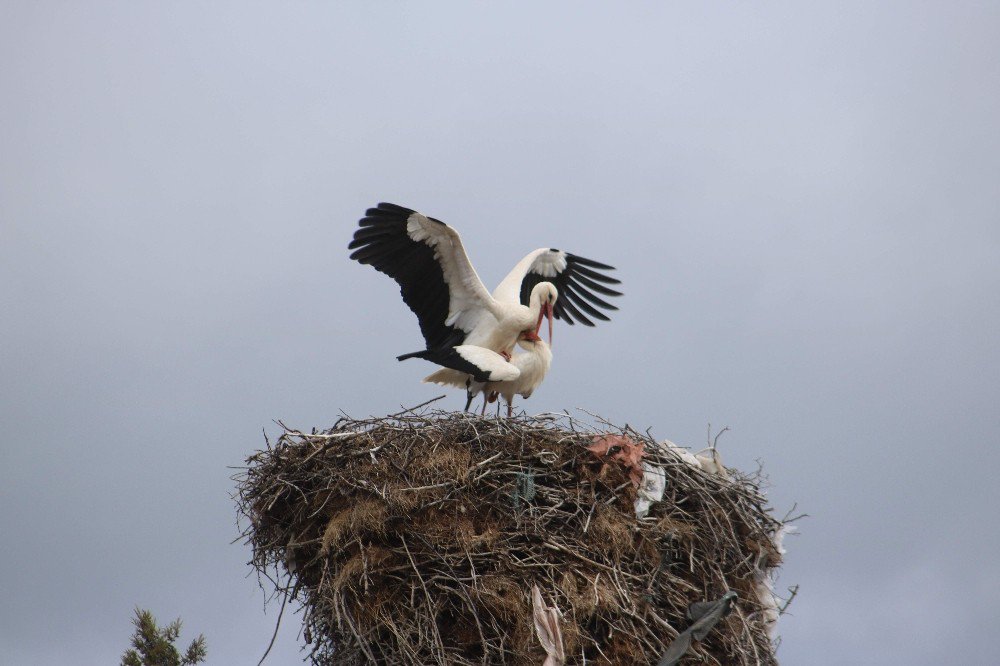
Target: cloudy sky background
(802,201)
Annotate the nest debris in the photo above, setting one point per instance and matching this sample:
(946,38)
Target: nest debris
(417,539)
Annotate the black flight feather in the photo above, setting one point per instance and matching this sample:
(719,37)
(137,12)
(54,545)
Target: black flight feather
(382,241)
(576,284)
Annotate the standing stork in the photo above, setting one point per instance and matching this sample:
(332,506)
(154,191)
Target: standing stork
(457,314)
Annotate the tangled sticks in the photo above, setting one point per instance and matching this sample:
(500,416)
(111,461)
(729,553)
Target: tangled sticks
(418,538)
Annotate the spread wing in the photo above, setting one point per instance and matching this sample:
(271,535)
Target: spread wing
(578,280)
(426,257)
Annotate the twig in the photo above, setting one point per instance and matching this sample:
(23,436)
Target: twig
(794,589)
(413,409)
(715,441)
(277,624)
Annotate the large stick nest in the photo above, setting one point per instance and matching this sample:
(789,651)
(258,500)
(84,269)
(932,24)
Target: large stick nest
(417,538)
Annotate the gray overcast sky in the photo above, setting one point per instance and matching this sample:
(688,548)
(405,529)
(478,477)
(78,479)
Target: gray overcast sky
(802,200)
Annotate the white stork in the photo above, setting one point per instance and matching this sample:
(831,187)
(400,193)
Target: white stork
(457,315)
(532,365)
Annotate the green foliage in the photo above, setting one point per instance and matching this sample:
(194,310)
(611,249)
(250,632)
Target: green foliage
(153,646)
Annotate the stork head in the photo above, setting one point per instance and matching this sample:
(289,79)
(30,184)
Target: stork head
(528,338)
(545,295)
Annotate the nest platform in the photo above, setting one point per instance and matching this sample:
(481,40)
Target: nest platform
(417,539)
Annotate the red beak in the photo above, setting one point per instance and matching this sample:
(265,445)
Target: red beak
(548,309)
(545,311)
(530,336)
